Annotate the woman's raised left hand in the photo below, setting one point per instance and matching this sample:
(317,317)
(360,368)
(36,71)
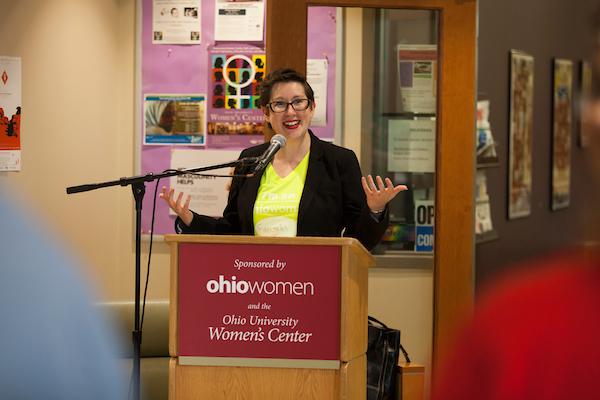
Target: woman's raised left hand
(378,195)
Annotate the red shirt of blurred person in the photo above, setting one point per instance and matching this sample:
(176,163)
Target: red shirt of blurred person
(533,337)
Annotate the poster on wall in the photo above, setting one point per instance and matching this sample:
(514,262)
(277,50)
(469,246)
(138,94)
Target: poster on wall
(424,225)
(483,215)
(417,75)
(10,113)
(484,140)
(411,145)
(561,132)
(176,21)
(208,194)
(585,90)
(174,119)
(316,76)
(520,134)
(241,21)
(235,119)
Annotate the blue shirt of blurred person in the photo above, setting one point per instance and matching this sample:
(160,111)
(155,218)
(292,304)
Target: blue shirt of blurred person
(53,344)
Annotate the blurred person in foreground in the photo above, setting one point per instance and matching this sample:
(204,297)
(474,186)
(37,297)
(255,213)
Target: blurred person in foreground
(53,343)
(536,335)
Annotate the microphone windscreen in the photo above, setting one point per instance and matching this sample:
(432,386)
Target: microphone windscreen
(278,139)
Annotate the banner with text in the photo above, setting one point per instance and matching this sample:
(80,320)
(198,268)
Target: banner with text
(259,301)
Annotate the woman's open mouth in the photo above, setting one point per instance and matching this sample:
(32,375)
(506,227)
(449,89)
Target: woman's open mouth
(292,124)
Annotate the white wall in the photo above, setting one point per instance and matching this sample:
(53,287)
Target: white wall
(77,125)
(402,298)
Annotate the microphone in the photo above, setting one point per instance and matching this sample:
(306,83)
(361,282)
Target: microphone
(277,142)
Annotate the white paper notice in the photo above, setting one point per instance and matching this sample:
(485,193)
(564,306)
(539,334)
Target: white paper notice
(239,20)
(417,75)
(10,114)
(411,145)
(176,22)
(316,75)
(209,195)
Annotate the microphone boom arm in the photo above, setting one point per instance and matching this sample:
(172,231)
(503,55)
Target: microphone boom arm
(149,177)
(138,188)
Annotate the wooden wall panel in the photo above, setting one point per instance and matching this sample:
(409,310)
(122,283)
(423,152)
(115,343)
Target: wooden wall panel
(454,247)
(286,34)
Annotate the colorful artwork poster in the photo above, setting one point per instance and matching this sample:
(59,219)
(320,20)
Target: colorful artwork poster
(174,119)
(235,119)
(561,133)
(585,91)
(520,134)
(10,113)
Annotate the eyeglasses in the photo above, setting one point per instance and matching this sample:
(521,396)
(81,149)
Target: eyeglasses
(282,106)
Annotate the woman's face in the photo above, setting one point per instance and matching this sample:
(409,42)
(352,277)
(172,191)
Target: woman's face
(290,123)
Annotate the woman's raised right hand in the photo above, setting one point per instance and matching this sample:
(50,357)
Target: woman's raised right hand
(182,209)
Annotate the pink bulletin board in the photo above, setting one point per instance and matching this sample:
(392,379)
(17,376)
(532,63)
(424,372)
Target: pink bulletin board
(186,70)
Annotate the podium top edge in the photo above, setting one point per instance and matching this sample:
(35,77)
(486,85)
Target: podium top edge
(246,239)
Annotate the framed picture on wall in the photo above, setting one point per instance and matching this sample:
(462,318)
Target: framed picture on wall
(562,110)
(585,92)
(520,134)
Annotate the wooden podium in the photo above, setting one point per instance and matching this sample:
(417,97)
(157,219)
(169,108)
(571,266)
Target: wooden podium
(267,318)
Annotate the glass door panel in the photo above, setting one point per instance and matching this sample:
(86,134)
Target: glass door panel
(381,72)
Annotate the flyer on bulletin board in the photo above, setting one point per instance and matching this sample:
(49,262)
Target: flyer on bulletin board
(10,113)
(235,119)
(316,75)
(240,21)
(174,119)
(207,193)
(176,21)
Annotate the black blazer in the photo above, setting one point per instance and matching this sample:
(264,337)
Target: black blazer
(332,199)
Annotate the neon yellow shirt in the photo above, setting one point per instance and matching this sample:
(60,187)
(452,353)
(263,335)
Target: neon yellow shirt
(277,201)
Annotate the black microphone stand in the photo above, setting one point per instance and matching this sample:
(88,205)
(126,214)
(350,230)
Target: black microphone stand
(138,186)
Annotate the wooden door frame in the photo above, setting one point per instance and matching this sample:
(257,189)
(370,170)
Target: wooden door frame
(286,42)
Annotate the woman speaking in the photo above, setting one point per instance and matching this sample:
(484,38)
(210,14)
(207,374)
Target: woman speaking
(310,188)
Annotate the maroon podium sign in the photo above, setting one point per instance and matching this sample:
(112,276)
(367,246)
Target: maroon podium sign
(259,301)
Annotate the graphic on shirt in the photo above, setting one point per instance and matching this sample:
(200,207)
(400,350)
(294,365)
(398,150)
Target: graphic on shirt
(277,202)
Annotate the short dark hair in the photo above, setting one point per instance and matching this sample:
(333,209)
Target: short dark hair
(283,75)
